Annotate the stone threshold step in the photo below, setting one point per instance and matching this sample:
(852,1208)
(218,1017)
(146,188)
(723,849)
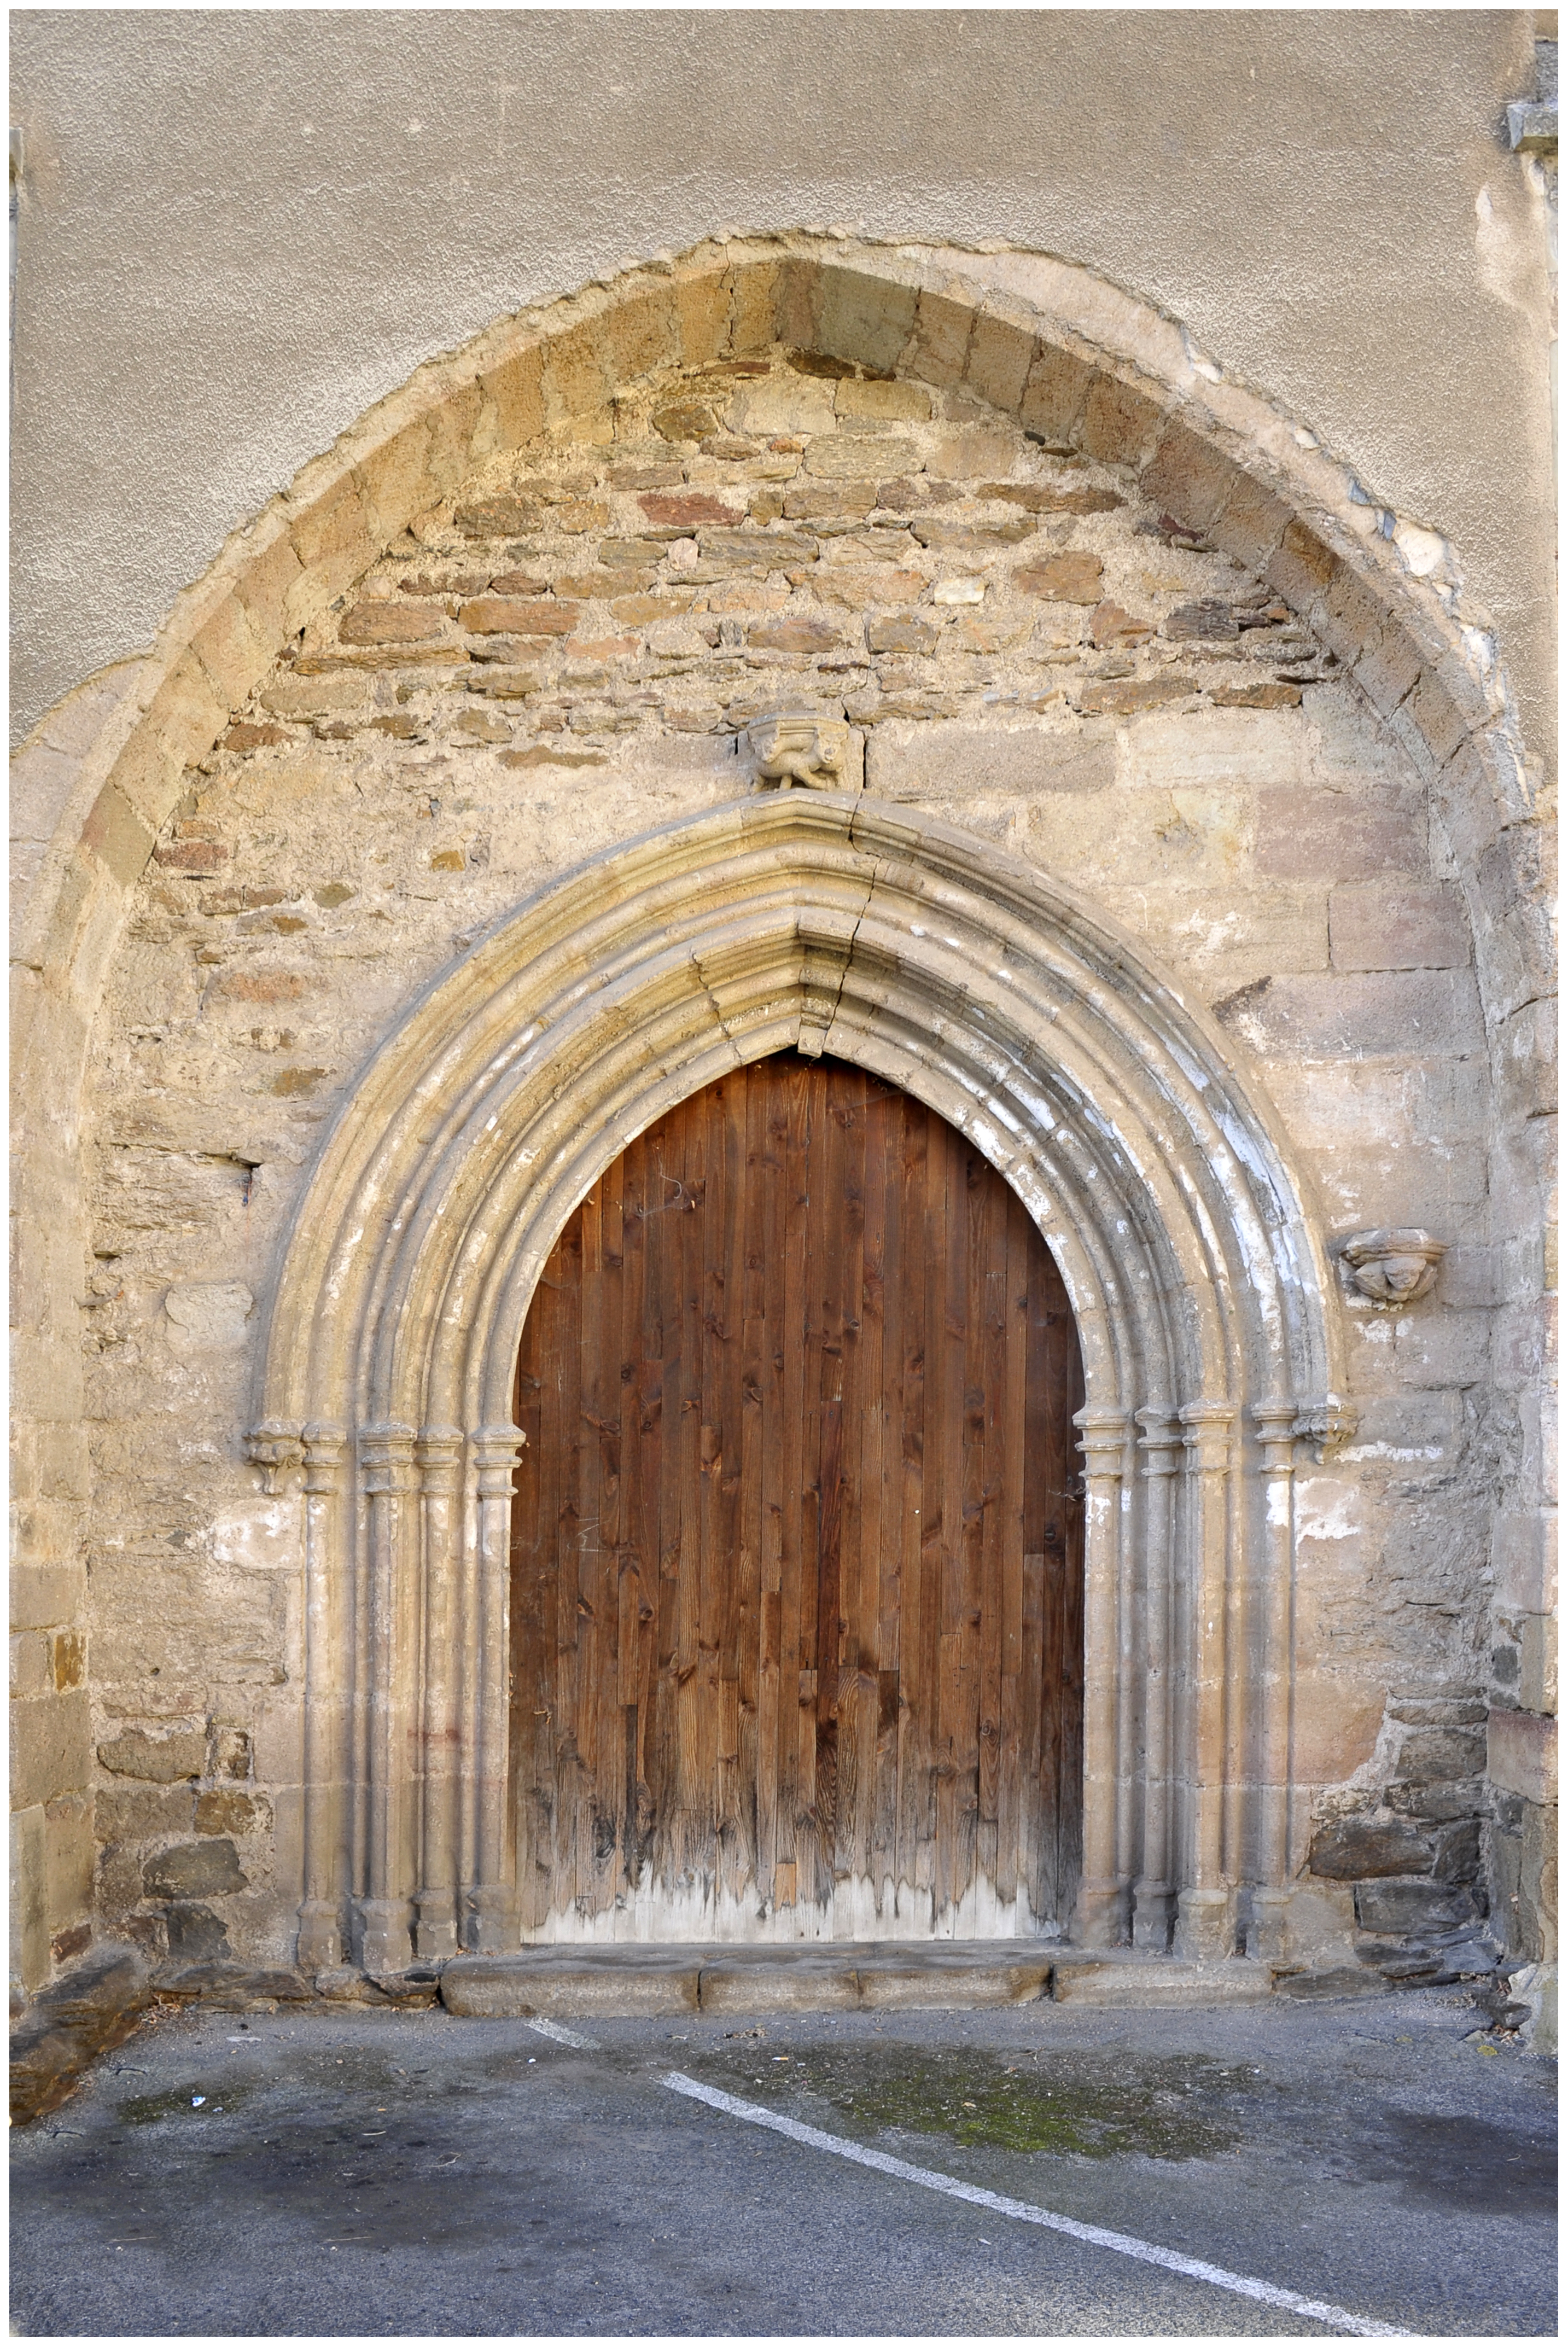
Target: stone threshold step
(563,1981)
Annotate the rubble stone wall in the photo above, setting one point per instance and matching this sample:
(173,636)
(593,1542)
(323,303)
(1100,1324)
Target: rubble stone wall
(562,653)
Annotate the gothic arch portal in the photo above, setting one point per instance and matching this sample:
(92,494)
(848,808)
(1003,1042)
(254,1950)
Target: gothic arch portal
(1196,1274)
(1190,1254)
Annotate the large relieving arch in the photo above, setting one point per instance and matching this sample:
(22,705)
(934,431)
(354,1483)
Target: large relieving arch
(797,1585)
(822,923)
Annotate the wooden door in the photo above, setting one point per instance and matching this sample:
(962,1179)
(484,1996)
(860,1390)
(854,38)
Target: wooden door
(798,1550)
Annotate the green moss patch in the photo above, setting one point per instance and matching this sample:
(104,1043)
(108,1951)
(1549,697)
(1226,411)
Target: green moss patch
(1096,2106)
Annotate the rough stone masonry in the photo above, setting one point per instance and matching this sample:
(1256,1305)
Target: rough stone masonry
(568,651)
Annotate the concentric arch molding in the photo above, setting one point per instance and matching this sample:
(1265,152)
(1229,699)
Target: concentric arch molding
(830,924)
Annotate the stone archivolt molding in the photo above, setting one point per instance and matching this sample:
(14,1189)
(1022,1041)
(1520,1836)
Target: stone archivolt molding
(833,923)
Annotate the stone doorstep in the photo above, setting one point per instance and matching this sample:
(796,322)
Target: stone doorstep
(563,1981)
(1149,1983)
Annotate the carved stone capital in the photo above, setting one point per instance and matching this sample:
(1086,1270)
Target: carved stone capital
(1161,1439)
(1275,1424)
(439,1452)
(495,1450)
(276,1449)
(1392,1267)
(324,1448)
(1328,1425)
(1102,1438)
(387,1460)
(802,750)
(1207,1430)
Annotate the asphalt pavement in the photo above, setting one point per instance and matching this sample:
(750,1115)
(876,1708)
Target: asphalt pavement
(349,2172)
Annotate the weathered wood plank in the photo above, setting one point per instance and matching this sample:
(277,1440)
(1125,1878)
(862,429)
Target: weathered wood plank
(796,1553)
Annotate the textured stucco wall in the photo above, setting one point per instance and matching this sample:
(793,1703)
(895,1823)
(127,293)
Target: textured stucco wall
(237,230)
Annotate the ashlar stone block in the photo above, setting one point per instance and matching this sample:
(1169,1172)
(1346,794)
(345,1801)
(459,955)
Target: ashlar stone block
(1390,924)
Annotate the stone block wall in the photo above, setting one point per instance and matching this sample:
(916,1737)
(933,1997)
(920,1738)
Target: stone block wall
(565,653)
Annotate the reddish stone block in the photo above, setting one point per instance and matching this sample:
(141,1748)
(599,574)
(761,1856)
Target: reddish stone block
(390,623)
(1187,478)
(794,636)
(1118,423)
(904,634)
(1305,834)
(1039,497)
(244,737)
(1111,626)
(196,856)
(1072,578)
(503,517)
(1053,396)
(687,509)
(1272,694)
(539,616)
(1382,925)
(1126,696)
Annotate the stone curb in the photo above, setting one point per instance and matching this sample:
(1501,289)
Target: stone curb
(95,2008)
(631,1981)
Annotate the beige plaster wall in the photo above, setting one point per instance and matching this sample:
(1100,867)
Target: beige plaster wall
(236,230)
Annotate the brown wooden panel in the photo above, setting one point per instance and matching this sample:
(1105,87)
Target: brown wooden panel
(797,1555)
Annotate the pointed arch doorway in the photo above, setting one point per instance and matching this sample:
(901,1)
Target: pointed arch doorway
(797,1561)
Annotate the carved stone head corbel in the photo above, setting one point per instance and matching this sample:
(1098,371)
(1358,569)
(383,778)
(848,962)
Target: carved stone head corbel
(1392,1267)
(801,749)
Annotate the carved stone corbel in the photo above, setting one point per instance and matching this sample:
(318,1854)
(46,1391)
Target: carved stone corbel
(803,750)
(1328,1425)
(1392,1267)
(277,1450)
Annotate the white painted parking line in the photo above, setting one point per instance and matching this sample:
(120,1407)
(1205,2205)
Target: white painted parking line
(565,2036)
(1125,2244)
